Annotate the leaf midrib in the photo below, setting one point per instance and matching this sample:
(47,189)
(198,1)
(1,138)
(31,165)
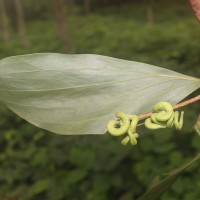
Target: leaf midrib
(100,84)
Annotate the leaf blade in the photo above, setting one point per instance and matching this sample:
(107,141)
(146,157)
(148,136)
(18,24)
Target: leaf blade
(159,187)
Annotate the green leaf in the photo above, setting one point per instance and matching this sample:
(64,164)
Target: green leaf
(79,94)
(158,187)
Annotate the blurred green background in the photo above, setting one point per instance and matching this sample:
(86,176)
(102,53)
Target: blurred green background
(38,165)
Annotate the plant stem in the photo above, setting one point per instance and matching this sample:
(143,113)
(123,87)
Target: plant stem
(176,106)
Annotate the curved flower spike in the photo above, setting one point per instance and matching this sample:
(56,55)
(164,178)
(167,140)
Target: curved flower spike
(125,141)
(152,125)
(127,124)
(163,111)
(132,130)
(134,121)
(178,123)
(132,138)
(164,117)
(123,126)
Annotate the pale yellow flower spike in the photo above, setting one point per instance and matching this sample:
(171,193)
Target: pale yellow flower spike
(164,117)
(127,124)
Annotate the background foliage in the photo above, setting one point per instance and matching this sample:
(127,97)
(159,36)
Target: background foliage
(37,165)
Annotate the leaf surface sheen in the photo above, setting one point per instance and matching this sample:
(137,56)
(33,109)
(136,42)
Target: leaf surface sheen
(79,94)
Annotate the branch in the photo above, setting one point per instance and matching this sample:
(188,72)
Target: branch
(176,106)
